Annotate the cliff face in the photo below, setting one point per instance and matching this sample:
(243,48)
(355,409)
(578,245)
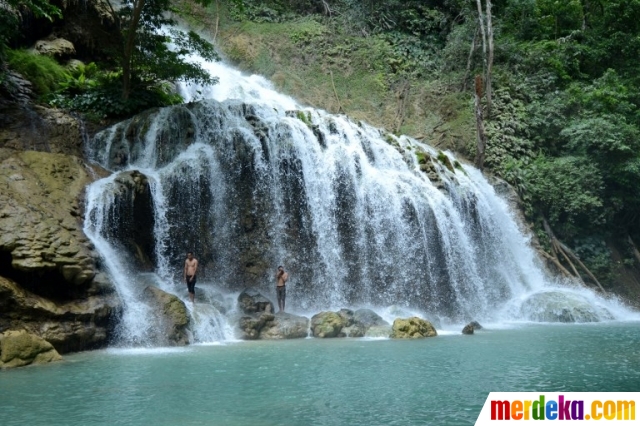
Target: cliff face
(50,282)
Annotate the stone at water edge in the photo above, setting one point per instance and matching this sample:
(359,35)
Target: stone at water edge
(171,317)
(468,329)
(251,326)
(285,326)
(328,324)
(19,348)
(412,328)
(368,318)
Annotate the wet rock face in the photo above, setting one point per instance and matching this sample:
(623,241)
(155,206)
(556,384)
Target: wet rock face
(412,328)
(20,348)
(131,218)
(171,317)
(24,127)
(50,278)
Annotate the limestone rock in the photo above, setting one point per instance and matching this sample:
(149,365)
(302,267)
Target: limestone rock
(328,324)
(55,47)
(70,326)
(251,326)
(412,328)
(19,348)
(40,225)
(251,301)
(368,318)
(172,318)
(35,127)
(49,282)
(132,217)
(285,326)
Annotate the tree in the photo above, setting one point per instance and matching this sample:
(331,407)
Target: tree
(153,50)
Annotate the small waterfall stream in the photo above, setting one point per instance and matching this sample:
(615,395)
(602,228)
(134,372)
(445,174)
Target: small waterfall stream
(248,179)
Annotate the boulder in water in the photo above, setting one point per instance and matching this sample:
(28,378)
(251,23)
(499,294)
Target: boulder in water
(557,306)
(172,318)
(412,328)
(368,318)
(19,348)
(471,327)
(251,326)
(328,324)
(285,326)
(251,301)
(468,329)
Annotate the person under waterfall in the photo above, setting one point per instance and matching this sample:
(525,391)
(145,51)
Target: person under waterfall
(281,290)
(190,269)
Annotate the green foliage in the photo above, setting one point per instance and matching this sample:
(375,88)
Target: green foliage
(100,97)
(507,131)
(568,191)
(43,72)
(159,53)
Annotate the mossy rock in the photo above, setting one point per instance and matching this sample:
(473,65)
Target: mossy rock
(423,157)
(412,328)
(172,316)
(328,324)
(20,348)
(442,157)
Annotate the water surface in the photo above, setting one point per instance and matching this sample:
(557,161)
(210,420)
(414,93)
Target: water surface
(436,381)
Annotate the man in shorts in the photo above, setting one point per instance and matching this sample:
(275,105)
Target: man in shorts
(281,290)
(190,269)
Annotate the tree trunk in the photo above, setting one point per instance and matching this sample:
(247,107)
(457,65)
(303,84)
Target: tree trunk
(471,51)
(482,138)
(490,58)
(129,45)
(483,32)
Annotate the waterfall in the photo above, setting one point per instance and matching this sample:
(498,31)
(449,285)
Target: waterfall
(248,179)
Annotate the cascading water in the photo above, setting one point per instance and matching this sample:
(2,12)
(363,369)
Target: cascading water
(248,180)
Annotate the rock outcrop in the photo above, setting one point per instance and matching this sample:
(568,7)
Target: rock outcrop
(328,324)
(259,322)
(53,46)
(468,329)
(412,328)
(51,284)
(171,317)
(37,128)
(130,218)
(19,348)
(274,327)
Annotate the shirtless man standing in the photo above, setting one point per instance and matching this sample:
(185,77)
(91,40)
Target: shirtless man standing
(190,269)
(281,280)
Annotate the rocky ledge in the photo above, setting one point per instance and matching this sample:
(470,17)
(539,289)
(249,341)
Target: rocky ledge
(50,281)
